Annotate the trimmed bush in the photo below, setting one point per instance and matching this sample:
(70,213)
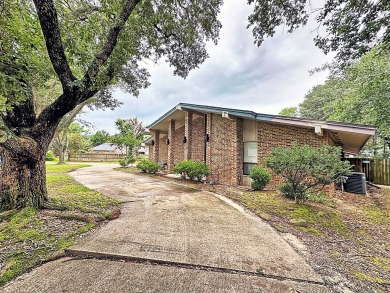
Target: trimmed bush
(260,176)
(148,166)
(126,161)
(192,170)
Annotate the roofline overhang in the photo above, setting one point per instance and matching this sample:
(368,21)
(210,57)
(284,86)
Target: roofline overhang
(328,125)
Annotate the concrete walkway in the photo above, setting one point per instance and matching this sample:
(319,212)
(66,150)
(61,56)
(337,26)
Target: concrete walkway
(172,239)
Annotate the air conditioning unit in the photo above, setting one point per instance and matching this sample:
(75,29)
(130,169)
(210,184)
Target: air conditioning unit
(356,183)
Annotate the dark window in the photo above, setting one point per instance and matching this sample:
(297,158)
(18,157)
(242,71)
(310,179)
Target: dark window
(248,168)
(250,156)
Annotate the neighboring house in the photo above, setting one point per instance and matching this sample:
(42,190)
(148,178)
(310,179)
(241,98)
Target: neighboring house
(144,147)
(107,148)
(232,141)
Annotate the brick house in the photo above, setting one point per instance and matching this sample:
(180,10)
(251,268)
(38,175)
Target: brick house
(232,141)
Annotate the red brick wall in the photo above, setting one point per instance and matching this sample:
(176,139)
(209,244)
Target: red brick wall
(198,131)
(151,154)
(163,151)
(179,145)
(271,135)
(225,152)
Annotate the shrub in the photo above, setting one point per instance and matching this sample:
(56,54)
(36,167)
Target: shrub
(126,161)
(148,166)
(192,170)
(260,176)
(305,168)
(50,156)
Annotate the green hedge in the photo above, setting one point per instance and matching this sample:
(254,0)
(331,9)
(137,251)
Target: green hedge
(192,170)
(148,166)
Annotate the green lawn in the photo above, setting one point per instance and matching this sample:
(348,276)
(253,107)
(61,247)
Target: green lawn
(30,237)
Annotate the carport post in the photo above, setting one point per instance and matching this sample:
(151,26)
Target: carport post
(156,146)
(188,135)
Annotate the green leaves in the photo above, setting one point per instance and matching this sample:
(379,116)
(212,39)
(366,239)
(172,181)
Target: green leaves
(260,176)
(192,170)
(353,27)
(130,136)
(305,167)
(358,94)
(270,14)
(99,137)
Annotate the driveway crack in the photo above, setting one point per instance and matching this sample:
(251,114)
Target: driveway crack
(83,254)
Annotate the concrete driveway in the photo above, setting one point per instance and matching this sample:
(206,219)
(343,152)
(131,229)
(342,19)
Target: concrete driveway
(172,239)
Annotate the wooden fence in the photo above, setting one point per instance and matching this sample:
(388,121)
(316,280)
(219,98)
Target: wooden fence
(377,170)
(94,157)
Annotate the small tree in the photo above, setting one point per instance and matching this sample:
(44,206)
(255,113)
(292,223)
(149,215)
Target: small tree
(305,168)
(130,136)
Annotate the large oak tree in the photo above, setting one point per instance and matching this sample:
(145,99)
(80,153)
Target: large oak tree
(90,46)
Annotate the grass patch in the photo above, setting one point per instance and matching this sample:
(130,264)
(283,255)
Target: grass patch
(317,217)
(29,237)
(377,215)
(365,277)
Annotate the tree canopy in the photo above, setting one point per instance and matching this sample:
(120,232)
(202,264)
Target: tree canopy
(360,94)
(357,94)
(99,137)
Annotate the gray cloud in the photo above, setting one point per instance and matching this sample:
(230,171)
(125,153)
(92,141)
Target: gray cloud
(237,74)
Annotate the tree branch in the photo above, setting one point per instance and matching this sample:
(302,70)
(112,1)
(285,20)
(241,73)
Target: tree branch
(67,120)
(52,114)
(110,44)
(47,15)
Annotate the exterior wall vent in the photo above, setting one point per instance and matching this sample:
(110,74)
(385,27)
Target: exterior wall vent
(225,114)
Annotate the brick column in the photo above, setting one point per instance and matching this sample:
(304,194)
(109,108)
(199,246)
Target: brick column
(188,135)
(156,147)
(171,146)
(209,117)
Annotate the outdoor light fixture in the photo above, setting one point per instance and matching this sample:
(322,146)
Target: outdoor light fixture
(152,141)
(207,137)
(168,141)
(184,139)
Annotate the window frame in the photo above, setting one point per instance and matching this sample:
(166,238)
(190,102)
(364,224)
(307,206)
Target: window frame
(250,165)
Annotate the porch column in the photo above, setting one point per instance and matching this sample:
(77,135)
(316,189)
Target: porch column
(156,147)
(209,117)
(188,135)
(171,146)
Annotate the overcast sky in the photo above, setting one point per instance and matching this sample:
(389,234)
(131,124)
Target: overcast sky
(238,74)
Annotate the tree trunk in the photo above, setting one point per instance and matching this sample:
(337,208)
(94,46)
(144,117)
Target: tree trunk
(23,183)
(61,156)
